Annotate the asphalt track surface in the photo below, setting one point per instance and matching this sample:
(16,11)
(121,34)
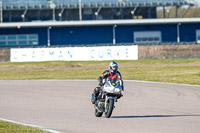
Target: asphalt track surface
(65,106)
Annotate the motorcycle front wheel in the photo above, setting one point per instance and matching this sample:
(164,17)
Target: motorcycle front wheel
(109,108)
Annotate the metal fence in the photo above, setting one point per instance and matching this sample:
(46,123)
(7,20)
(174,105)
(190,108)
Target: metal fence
(18,4)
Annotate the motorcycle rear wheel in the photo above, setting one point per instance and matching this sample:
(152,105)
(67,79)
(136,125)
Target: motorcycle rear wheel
(97,113)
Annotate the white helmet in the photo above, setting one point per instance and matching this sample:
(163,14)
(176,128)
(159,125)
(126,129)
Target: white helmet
(111,65)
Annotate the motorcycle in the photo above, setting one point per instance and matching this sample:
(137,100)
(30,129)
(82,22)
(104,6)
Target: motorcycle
(108,95)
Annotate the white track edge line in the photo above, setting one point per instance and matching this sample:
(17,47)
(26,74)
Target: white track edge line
(30,125)
(140,81)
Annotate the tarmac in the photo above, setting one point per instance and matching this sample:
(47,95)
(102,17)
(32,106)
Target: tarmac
(65,106)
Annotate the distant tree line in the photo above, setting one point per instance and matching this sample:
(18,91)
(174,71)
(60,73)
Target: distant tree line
(179,12)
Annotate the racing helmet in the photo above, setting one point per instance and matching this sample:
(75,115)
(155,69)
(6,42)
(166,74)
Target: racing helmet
(113,67)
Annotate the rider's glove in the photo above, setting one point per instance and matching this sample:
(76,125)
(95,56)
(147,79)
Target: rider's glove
(100,84)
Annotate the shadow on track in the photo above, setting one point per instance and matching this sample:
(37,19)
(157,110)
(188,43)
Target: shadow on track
(153,116)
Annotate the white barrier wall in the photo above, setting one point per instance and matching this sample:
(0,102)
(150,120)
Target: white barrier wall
(75,53)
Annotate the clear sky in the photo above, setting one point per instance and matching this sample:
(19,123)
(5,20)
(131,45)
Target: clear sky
(198,2)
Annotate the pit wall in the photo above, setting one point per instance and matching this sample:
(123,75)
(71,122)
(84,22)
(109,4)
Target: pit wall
(146,52)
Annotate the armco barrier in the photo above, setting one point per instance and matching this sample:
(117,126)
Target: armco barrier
(4,55)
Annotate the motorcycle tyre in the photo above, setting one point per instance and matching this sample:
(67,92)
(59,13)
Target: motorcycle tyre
(97,113)
(110,108)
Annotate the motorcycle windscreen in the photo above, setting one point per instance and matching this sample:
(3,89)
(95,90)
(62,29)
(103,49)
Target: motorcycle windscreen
(113,80)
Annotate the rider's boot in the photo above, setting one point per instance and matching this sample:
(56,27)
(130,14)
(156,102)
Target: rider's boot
(94,99)
(116,100)
(94,95)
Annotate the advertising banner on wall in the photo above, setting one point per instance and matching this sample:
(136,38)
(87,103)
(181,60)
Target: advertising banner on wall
(74,54)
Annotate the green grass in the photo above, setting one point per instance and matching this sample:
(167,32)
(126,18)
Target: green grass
(144,61)
(6,127)
(160,70)
(178,74)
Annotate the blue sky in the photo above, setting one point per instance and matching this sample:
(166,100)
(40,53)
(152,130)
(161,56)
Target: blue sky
(198,2)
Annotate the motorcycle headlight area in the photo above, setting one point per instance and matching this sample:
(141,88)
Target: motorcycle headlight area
(108,89)
(117,90)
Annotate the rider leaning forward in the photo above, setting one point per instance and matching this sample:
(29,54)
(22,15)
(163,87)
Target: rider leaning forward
(112,71)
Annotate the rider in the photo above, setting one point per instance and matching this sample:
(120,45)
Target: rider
(112,71)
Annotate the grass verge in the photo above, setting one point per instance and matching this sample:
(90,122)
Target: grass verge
(6,127)
(185,71)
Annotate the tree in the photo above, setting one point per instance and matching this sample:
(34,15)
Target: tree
(183,12)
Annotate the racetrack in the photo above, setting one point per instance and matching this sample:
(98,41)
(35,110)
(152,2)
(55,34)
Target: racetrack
(65,106)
